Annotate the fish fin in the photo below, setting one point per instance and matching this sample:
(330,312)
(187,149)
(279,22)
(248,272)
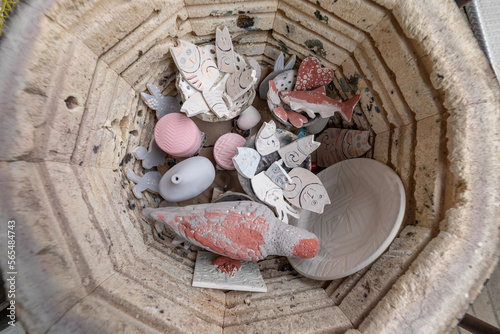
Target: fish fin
(347,107)
(296,119)
(281,113)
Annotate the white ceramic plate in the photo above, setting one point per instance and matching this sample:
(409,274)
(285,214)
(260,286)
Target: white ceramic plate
(368,204)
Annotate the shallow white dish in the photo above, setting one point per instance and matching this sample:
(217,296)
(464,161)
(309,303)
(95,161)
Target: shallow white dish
(368,205)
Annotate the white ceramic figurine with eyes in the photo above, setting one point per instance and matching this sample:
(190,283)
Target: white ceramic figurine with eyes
(307,191)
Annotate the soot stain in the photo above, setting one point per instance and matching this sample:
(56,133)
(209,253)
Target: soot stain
(245,21)
(321,17)
(96,148)
(316,47)
(344,85)
(353,81)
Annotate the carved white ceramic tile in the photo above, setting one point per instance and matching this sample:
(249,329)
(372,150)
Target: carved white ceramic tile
(195,105)
(266,141)
(150,158)
(246,161)
(224,51)
(196,65)
(161,104)
(149,182)
(240,82)
(278,175)
(206,275)
(218,101)
(268,192)
(296,152)
(307,191)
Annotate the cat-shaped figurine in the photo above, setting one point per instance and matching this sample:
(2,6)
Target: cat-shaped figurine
(196,66)
(296,152)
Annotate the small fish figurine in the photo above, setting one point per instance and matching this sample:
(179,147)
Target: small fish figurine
(297,151)
(266,141)
(224,51)
(218,101)
(162,104)
(150,158)
(307,191)
(316,102)
(197,66)
(149,182)
(195,105)
(244,230)
(296,119)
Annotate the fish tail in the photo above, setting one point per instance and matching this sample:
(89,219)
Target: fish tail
(347,107)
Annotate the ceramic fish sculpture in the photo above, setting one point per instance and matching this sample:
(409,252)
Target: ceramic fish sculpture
(296,119)
(196,66)
(245,230)
(316,102)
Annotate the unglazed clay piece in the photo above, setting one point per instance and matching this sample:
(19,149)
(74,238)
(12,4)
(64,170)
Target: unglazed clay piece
(296,152)
(278,68)
(207,275)
(278,175)
(147,182)
(341,144)
(307,191)
(178,135)
(313,102)
(150,158)
(196,66)
(162,104)
(266,141)
(246,230)
(285,80)
(246,161)
(195,105)
(268,192)
(272,94)
(312,75)
(225,149)
(218,101)
(296,119)
(224,51)
(258,71)
(240,82)
(187,179)
(249,118)
(368,207)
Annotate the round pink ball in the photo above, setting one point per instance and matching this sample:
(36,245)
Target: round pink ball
(225,149)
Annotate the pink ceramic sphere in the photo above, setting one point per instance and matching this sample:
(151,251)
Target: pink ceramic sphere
(178,135)
(225,149)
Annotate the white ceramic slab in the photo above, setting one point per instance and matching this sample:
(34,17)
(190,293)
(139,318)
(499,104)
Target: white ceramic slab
(246,161)
(278,175)
(306,191)
(368,205)
(195,105)
(240,82)
(218,101)
(206,275)
(296,152)
(267,141)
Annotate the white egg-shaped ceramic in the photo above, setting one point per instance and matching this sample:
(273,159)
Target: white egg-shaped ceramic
(249,118)
(187,179)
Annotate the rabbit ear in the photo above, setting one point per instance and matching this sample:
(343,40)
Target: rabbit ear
(154,90)
(290,63)
(278,65)
(150,101)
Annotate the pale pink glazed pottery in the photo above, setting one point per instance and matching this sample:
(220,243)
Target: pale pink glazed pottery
(178,135)
(225,149)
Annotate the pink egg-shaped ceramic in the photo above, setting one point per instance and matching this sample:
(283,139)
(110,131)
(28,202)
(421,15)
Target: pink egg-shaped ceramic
(225,149)
(178,135)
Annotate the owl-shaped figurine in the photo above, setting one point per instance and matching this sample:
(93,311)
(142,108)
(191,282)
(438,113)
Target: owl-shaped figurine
(196,66)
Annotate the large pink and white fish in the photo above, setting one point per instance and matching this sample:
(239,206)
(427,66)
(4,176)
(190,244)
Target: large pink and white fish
(245,230)
(316,102)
